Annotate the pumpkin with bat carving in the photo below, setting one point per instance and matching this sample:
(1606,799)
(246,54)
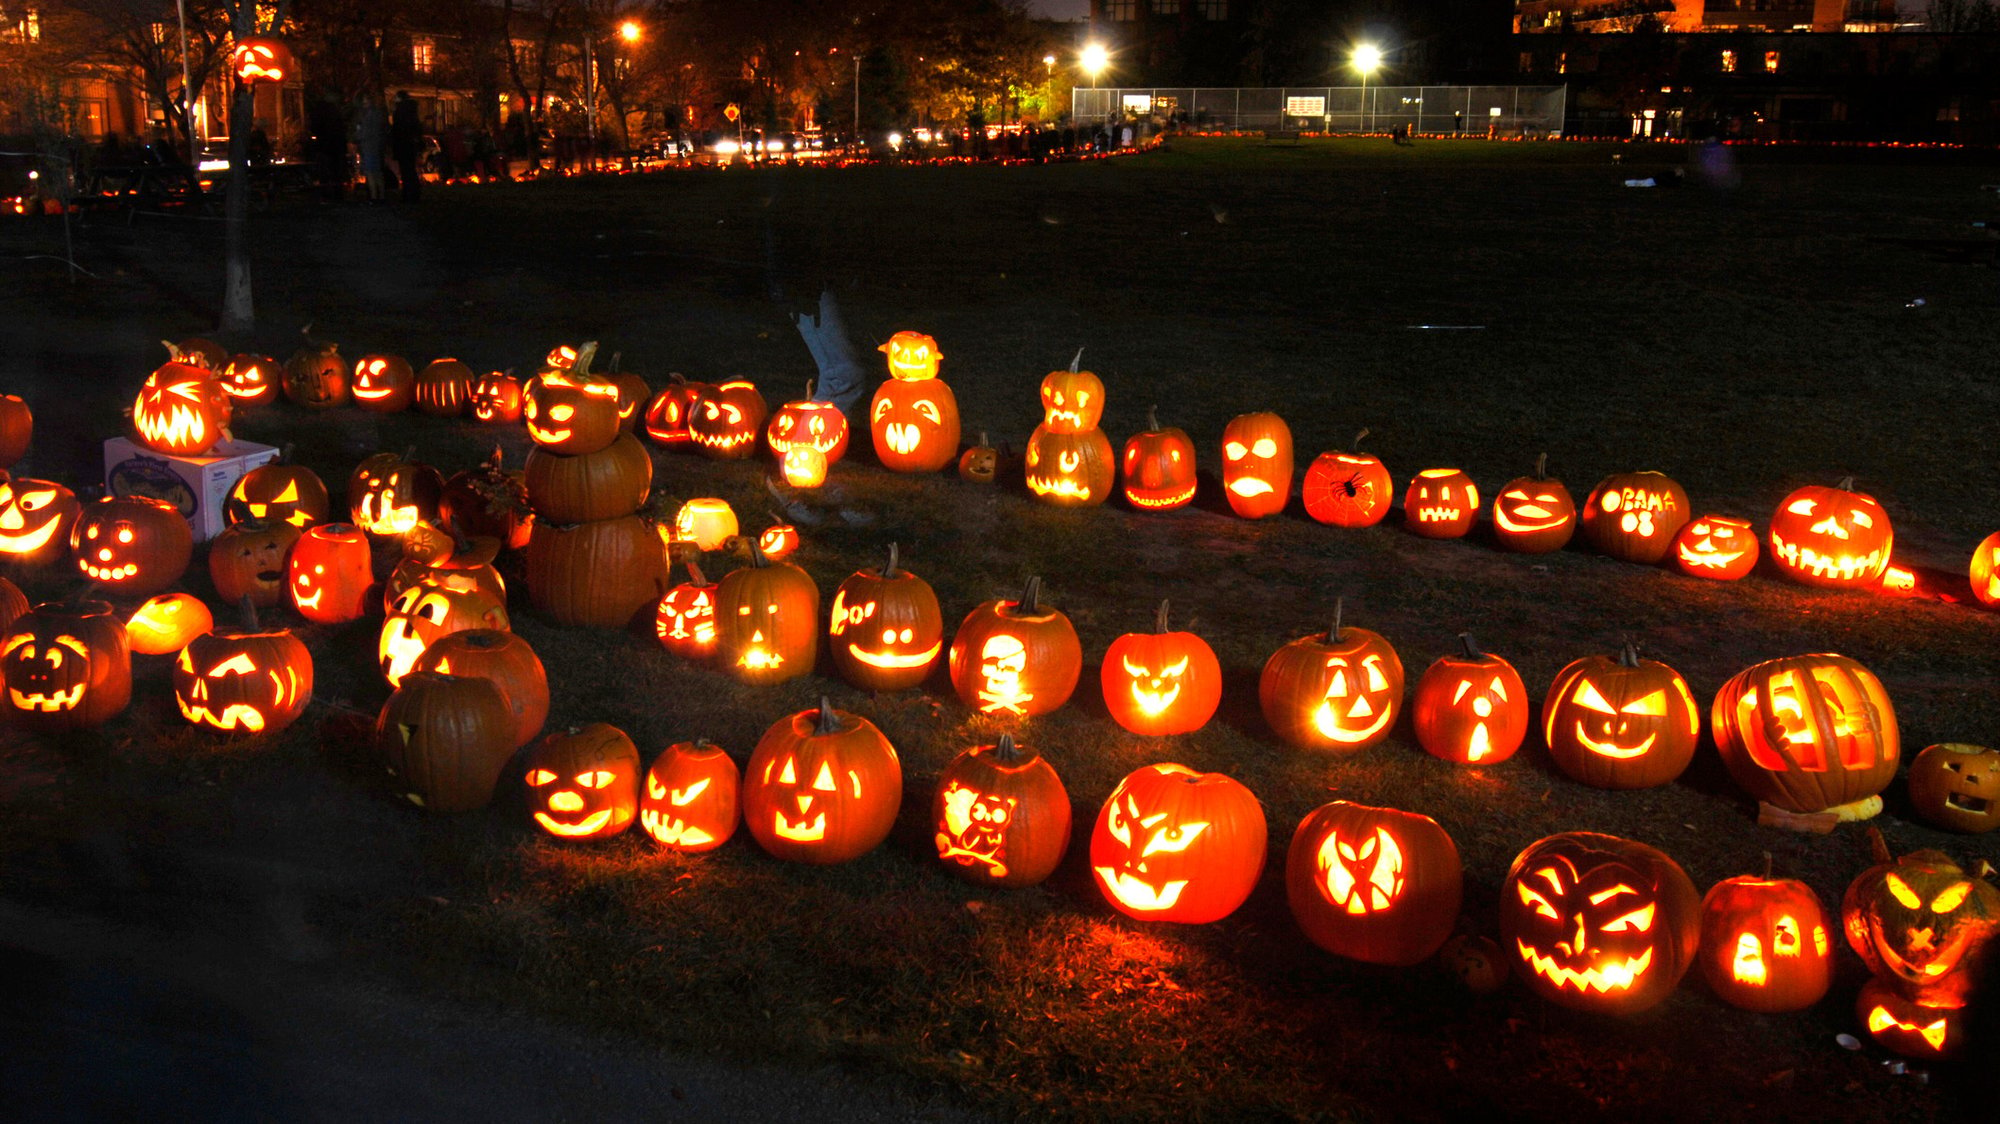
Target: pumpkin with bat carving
(1377,885)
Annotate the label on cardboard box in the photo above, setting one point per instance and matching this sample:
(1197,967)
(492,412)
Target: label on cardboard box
(198,486)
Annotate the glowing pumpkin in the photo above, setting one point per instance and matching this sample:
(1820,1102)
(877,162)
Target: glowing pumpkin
(427,612)
(35,520)
(1534,514)
(1161,682)
(1172,844)
(243,680)
(1257,464)
(1339,690)
(584,784)
(980,463)
(767,621)
(1623,723)
(823,786)
(1348,488)
(727,420)
(1634,516)
(1985,571)
(1807,733)
(1070,469)
(571,412)
(331,574)
(1957,787)
(690,798)
(685,618)
(17,429)
(913,356)
(666,418)
(1373,884)
(389,494)
(914,425)
(444,388)
(498,398)
(165,624)
(1441,503)
(806,424)
(260,59)
(182,409)
(251,380)
(252,560)
(1001,816)
(778,540)
(885,630)
(1922,1027)
(1015,657)
(1764,944)
(1159,467)
(279,493)
(66,667)
(1472,709)
(1716,547)
(383,384)
(1599,923)
(709,523)
(1834,537)
(1923,924)
(803,466)
(132,546)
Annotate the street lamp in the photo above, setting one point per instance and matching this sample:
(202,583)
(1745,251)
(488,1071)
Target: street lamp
(1366,58)
(1093,60)
(630,32)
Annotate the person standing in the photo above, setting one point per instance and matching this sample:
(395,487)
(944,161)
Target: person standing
(406,137)
(371,133)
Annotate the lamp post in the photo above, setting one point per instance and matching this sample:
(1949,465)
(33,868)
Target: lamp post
(1366,58)
(630,32)
(1094,59)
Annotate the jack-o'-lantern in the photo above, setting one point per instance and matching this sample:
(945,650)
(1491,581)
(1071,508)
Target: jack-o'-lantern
(690,798)
(244,681)
(331,574)
(132,546)
(571,412)
(1257,464)
(1472,708)
(1764,943)
(914,422)
(1441,503)
(252,560)
(1072,400)
(251,380)
(685,619)
(886,630)
(1717,547)
(823,786)
(1834,537)
(980,464)
(1924,1027)
(201,351)
(1001,816)
(1634,516)
(432,556)
(727,420)
(913,356)
(1070,469)
(1161,682)
(810,425)
(1807,733)
(584,488)
(66,666)
(497,398)
(316,376)
(1599,923)
(584,784)
(260,59)
(182,409)
(1016,657)
(1623,723)
(446,739)
(1922,924)
(1339,690)
(426,612)
(595,575)
(390,494)
(778,540)
(803,466)
(1172,844)
(35,520)
(444,388)
(488,500)
(668,413)
(767,621)
(383,384)
(279,493)
(1957,786)
(505,659)
(709,523)
(1534,514)
(633,394)
(1985,571)
(1159,467)
(1348,488)
(17,429)
(1378,885)
(165,624)
(562,357)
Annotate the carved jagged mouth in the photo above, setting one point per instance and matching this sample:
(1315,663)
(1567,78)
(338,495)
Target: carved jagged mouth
(1061,487)
(805,831)
(890,661)
(1136,893)
(233,716)
(1439,514)
(1851,568)
(48,704)
(178,423)
(110,573)
(1613,749)
(760,659)
(304,602)
(671,832)
(1879,1020)
(1175,500)
(1154,703)
(725,442)
(1915,970)
(1070,417)
(1607,978)
(1710,557)
(589,825)
(1327,721)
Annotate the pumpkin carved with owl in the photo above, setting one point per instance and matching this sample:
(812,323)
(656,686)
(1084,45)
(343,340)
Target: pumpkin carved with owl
(1001,815)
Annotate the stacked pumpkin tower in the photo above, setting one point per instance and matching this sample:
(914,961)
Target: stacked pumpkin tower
(592,560)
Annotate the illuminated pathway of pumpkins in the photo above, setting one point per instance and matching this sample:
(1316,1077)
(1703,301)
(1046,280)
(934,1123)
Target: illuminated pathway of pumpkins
(1587,920)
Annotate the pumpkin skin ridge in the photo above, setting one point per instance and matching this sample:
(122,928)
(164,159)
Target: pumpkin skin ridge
(586,487)
(468,721)
(595,575)
(1296,692)
(1610,763)
(1750,977)
(815,827)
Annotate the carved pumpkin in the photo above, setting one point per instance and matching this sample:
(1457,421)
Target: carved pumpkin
(823,786)
(584,784)
(1472,709)
(316,376)
(1172,844)
(1534,514)
(250,380)
(685,619)
(1834,537)
(779,540)
(132,546)
(727,420)
(488,501)
(633,394)
(1072,400)
(913,356)
(165,624)
(182,409)
(689,802)
(252,560)
(595,575)
(243,680)
(1001,816)
(1764,944)
(562,357)
(806,424)
(433,556)
(1807,733)
(1623,723)
(767,621)
(1716,547)
(331,574)
(66,667)
(427,612)
(1599,923)
(446,739)
(279,493)
(1373,884)
(1070,469)
(1923,925)
(1985,571)
(1348,489)
(498,399)
(571,412)
(390,494)
(1016,657)
(1159,467)
(1161,682)
(606,484)
(914,423)
(803,466)
(1957,787)
(1920,1027)
(667,415)
(383,384)
(1257,464)
(980,464)
(444,388)
(886,630)
(260,59)
(202,352)
(35,520)
(1634,516)
(507,661)
(709,523)
(1339,690)
(1441,503)
(17,429)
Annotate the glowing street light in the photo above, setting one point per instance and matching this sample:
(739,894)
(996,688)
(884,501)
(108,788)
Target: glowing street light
(1366,58)
(630,31)
(1093,60)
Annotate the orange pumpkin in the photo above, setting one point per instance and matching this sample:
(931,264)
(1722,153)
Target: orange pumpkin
(279,493)
(1764,944)
(1072,400)
(885,630)
(583,488)
(316,376)
(446,739)
(667,415)
(1016,657)
(1348,489)
(913,356)
(331,574)
(427,612)
(1070,469)
(250,380)
(1172,844)
(498,398)
(690,798)
(505,659)
(383,384)
(1534,514)
(1623,723)
(389,494)
(806,424)
(727,420)
(914,425)
(444,388)
(823,786)
(1161,682)
(488,501)
(1159,467)
(66,667)
(1957,787)
(685,618)
(1339,690)
(1923,924)
(1985,571)
(17,429)
(571,412)
(243,680)
(1716,547)
(1834,537)
(35,520)
(1807,733)
(584,784)
(165,624)
(1374,884)
(251,560)
(1257,464)
(182,409)
(1634,516)
(132,546)
(1471,709)
(1441,503)
(595,575)
(1001,815)
(767,621)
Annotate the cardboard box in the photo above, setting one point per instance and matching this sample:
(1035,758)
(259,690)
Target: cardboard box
(197,485)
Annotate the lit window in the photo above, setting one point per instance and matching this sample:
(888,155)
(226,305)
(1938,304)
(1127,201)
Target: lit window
(1770,62)
(1122,11)
(1213,9)
(1166,7)
(423,55)
(1729,62)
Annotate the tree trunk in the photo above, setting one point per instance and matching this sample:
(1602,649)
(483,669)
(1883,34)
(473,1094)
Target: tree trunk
(238,311)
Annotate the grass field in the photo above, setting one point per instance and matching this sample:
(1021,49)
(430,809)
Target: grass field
(1744,342)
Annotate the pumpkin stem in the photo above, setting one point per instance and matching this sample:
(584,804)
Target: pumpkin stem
(1007,753)
(1160,618)
(1152,419)
(249,610)
(584,355)
(983,442)
(1472,651)
(811,386)
(694,573)
(1542,467)
(889,570)
(1076,362)
(615,357)
(1031,595)
(1339,603)
(1628,656)
(493,458)
(1846,484)
(1878,847)
(285,453)
(1356,443)
(1767,866)
(757,558)
(409,453)
(828,722)
(173,350)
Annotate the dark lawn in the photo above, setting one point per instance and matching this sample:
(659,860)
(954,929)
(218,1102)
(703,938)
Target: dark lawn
(1743,342)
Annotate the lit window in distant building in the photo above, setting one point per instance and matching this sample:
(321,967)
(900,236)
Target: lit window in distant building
(1729,62)
(1770,62)
(1166,7)
(1121,11)
(1213,9)
(159,33)
(1562,62)
(423,55)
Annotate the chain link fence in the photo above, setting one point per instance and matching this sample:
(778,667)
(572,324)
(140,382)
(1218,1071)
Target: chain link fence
(1499,110)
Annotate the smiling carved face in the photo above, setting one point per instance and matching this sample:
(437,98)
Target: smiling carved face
(1922,921)
(913,356)
(1716,547)
(1623,723)
(383,384)
(690,798)
(1533,515)
(569,415)
(584,784)
(1831,537)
